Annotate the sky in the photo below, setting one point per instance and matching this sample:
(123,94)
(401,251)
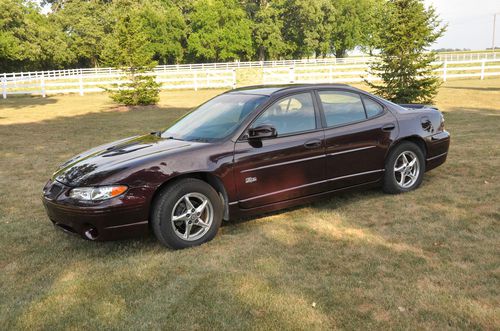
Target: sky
(470,23)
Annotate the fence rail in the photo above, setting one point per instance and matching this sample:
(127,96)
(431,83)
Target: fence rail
(357,73)
(224,75)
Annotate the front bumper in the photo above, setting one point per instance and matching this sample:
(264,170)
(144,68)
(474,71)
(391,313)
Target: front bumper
(118,218)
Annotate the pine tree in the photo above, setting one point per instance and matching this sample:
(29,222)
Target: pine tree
(406,66)
(129,49)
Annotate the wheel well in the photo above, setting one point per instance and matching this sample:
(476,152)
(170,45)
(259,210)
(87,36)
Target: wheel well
(207,177)
(414,139)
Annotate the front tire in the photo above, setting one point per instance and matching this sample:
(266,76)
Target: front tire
(187,213)
(404,168)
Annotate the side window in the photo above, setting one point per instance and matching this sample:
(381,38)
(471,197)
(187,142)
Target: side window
(341,107)
(372,107)
(290,115)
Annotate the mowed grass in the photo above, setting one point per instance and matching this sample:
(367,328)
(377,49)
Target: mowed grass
(429,259)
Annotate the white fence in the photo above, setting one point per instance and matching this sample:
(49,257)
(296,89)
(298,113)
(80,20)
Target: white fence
(351,73)
(80,81)
(224,75)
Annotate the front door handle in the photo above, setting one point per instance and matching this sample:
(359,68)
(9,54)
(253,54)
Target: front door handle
(312,144)
(388,127)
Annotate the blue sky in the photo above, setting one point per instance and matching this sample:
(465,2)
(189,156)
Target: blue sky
(470,23)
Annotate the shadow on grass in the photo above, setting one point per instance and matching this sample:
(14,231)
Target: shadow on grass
(19,102)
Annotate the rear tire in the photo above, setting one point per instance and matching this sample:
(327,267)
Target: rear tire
(404,168)
(186,213)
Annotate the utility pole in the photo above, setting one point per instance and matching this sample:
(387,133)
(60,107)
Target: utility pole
(494,28)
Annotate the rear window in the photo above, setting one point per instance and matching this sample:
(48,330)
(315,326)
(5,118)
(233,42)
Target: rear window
(372,108)
(341,107)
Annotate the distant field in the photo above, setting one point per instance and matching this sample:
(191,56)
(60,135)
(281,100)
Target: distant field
(429,259)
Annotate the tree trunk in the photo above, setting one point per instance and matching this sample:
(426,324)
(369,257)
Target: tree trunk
(262,53)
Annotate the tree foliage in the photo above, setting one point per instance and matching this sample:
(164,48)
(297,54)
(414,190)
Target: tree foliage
(220,31)
(268,40)
(127,49)
(77,33)
(28,40)
(405,66)
(86,25)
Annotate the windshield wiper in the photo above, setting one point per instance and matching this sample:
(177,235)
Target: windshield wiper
(204,140)
(159,134)
(156,133)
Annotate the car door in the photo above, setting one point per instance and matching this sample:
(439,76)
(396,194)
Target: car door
(287,166)
(358,133)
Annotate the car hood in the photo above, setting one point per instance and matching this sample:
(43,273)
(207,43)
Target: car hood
(94,165)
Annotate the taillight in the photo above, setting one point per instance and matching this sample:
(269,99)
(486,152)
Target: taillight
(441,123)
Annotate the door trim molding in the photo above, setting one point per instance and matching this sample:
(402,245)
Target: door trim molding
(310,184)
(284,163)
(351,150)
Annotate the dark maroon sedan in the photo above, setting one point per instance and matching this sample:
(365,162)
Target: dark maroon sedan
(249,150)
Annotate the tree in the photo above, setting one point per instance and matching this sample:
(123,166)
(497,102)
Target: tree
(86,24)
(166,29)
(354,24)
(307,27)
(405,66)
(220,31)
(129,49)
(268,41)
(28,39)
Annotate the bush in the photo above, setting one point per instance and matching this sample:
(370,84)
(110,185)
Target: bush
(141,90)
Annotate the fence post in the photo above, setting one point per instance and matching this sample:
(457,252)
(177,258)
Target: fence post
(331,74)
(291,74)
(4,86)
(195,80)
(444,70)
(42,85)
(482,69)
(80,80)
(234,78)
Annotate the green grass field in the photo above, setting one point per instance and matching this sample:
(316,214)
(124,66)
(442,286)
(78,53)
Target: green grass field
(429,259)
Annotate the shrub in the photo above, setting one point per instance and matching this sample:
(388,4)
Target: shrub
(141,90)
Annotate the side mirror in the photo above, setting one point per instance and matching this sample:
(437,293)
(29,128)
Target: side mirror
(262,131)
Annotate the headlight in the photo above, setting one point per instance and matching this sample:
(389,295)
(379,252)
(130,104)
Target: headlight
(97,193)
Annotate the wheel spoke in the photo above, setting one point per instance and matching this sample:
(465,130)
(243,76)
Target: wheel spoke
(202,206)
(182,217)
(202,224)
(189,205)
(405,159)
(412,163)
(402,179)
(400,168)
(188,230)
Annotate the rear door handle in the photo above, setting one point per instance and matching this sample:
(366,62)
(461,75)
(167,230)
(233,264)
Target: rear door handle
(388,127)
(312,144)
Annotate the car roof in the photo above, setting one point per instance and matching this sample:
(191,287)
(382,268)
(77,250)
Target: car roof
(269,90)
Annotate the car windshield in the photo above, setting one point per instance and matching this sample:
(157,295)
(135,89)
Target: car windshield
(215,119)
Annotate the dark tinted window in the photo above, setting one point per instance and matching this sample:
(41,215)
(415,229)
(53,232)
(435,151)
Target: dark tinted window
(290,115)
(372,108)
(342,107)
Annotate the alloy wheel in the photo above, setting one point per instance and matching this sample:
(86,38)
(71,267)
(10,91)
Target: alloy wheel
(192,216)
(406,169)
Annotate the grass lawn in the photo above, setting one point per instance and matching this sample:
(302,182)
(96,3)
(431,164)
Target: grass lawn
(429,259)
